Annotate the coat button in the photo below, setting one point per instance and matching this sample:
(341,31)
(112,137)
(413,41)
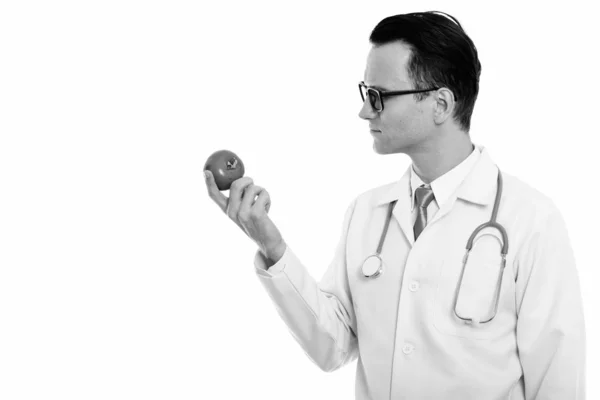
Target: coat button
(407,349)
(414,286)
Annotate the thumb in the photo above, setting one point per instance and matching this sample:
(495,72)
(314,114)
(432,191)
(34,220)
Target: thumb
(214,192)
(208,177)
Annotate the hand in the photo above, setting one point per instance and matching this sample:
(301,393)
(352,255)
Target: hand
(250,214)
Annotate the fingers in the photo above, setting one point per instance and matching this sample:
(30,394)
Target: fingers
(263,202)
(252,206)
(236,192)
(242,200)
(250,192)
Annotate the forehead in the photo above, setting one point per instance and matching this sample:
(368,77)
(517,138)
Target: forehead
(386,65)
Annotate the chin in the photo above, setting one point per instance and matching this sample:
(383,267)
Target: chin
(385,149)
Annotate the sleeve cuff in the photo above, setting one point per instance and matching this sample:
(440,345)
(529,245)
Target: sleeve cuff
(260,263)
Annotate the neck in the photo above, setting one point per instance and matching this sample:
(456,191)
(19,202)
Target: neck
(434,158)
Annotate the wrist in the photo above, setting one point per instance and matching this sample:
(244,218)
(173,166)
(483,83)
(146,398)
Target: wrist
(276,253)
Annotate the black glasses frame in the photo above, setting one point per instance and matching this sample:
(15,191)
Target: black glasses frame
(383,94)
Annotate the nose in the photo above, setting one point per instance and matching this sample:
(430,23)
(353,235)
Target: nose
(367,112)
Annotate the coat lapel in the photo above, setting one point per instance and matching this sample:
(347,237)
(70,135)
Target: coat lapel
(478,187)
(399,191)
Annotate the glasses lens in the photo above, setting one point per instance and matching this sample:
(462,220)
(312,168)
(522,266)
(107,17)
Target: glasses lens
(373,95)
(375,99)
(363,92)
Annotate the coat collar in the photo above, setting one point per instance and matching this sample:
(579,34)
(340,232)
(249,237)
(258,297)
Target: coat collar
(479,187)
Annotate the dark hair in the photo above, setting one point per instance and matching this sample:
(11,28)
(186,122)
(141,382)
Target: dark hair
(442,55)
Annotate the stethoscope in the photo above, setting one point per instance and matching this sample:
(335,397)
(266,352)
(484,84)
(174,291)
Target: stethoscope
(373,265)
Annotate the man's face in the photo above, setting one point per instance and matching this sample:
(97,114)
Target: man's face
(404,124)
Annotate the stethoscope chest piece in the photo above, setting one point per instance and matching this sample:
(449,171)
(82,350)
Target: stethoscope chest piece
(372,266)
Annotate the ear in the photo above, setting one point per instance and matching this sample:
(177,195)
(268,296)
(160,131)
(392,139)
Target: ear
(443,105)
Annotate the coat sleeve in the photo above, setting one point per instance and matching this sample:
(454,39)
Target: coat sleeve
(319,315)
(550,327)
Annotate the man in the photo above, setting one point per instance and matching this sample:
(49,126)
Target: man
(430,322)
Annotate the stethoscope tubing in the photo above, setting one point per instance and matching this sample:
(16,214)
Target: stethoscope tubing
(490,224)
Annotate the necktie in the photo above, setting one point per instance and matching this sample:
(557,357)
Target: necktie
(424,196)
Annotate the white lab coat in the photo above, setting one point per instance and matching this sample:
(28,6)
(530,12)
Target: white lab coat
(401,326)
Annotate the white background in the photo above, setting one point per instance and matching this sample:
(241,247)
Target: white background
(121,279)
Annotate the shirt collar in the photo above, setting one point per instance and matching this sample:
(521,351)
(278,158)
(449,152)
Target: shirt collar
(478,187)
(444,186)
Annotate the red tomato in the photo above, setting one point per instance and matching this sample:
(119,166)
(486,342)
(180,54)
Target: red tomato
(226,167)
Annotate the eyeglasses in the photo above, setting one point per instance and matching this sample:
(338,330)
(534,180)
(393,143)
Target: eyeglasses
(376,96)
